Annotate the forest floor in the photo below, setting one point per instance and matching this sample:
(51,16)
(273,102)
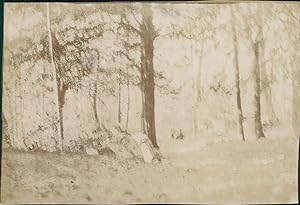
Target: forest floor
(263,171)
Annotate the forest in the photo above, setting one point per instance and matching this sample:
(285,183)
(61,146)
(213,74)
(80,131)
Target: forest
(89,75)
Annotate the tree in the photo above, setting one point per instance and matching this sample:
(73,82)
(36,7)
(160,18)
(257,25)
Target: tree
(256,39)
(57,87)
(70,52)
(197,26)
(267,93)
(96,90)
(25,56)
(119,92)
(128,98)
(148,35)
(257,47)
(237,76)
(266,79)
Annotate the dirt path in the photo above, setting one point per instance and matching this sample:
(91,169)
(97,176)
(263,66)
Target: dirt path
(232,172)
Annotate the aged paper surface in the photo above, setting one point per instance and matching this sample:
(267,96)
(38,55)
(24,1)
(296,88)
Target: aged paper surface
(151,102)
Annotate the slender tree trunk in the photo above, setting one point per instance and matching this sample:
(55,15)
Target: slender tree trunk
(258,47)
(194,87)
(194,67)
(56,81)
(237,77)
(128,100)
(61,102)
(95,103)
(19,128)
(195,82)
(22,107)
(96,90)
(258,123)
(267,91)
(199,74)
(143,127)
(147,37)
(195,109)
(197,90)
(119,98)
(269,102)
(143,130)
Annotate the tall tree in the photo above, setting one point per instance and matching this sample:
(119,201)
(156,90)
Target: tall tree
(95,92)
(237,75)
(71,59)
(119,90)
(266,80)
(257,47)
(196,26)
(57,84)
(128,98)
(267,93)
(256,39)
(148,35)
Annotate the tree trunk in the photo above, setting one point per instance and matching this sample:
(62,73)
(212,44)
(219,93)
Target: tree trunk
(199,74)
(267,91)
(96,90)
(195,108)
(95,103)
(197,90)
(56,81)
(194,86)
(19,112)
(257,116)
(119,98)
(147,37)
(258,47)
(61,102)
(143,130)
(272,118)
(128,100)
(237,78)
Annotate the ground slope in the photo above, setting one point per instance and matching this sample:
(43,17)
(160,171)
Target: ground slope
(262,171)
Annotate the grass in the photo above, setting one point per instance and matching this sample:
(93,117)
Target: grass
(262,171)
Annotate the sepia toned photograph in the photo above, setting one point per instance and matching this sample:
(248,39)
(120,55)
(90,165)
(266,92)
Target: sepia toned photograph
(150,102)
